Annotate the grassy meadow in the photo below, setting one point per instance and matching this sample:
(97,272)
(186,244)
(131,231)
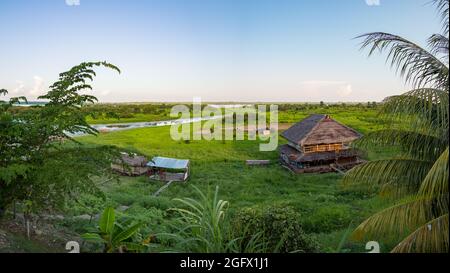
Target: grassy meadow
(328,210)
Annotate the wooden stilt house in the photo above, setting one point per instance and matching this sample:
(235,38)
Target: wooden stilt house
(319,144)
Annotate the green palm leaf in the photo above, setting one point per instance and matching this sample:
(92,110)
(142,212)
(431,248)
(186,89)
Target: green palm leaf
(396,220)
(423,110)
(418,66)
(403,172)
(431,237)
(416,145)
(418,123)
(436,181)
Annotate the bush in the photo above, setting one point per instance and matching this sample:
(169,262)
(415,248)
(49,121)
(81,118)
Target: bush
(280,226)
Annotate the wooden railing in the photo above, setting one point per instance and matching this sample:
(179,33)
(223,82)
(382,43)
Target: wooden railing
(323,148)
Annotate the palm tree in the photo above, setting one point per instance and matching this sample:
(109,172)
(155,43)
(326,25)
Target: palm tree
(417,122)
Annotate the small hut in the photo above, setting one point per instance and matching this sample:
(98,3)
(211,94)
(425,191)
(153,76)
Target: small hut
(130,164)
(319,144)
(168,169)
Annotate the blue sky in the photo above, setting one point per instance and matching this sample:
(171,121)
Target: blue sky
(229,50)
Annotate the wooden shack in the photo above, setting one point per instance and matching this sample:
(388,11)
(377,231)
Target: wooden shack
(130,164)
(319,144)
(168,169)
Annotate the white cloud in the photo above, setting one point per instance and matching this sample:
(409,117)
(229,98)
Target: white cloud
(38,87)
(19,88)
(105,92)
(345,90)
(373,2)
(323,90)
(73,2)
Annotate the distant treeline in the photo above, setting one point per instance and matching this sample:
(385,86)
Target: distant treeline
(102,111)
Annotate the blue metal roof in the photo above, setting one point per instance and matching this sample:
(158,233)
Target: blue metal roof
(168,163)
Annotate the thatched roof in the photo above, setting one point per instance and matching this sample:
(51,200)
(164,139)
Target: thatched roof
(320,129)
(132,160)
(295,155)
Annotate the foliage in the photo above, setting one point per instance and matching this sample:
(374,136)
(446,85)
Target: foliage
(280,227)
(222,164)
(37,166)
(327,219)
(116,236)
(203,226)
(417,122)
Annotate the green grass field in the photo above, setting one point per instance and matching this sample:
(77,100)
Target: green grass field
(328,209)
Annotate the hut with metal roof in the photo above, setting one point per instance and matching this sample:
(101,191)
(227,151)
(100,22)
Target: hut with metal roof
(319,144)
(168,169)
(130,164)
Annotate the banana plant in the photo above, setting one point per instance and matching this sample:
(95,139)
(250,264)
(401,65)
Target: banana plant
(116,236)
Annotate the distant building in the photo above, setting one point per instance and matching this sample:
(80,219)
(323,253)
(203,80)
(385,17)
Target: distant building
(319,144)
(168,169)
(130,164)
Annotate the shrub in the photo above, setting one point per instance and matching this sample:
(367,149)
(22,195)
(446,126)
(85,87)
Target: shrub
(280,226)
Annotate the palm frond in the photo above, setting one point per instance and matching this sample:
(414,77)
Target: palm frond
(417,145)
(435,183)
(404,173)
(439,46)
(418,66)
(396,220)
(431,237)
(442,7)
(424,110)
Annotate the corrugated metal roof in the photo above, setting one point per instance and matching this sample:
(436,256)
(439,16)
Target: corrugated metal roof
(168,163)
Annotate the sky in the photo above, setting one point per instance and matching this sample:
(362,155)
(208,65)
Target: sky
(218,50)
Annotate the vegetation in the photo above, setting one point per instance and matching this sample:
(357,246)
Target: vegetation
(114,235)
(37,169)
(280,226)
(417,122)
(203,226)
(325,208)
(260,209)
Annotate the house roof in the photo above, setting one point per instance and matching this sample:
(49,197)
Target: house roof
(319,129)
(132,160)
(168,163)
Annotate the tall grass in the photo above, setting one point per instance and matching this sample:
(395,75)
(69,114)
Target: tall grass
(203,227)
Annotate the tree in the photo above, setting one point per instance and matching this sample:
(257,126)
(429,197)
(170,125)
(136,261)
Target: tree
(41,164)
(417,123)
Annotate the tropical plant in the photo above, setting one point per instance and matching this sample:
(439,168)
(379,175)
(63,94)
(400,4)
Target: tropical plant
(116,236)
(280,227)
(203,226)
(417,122)
(41,165)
